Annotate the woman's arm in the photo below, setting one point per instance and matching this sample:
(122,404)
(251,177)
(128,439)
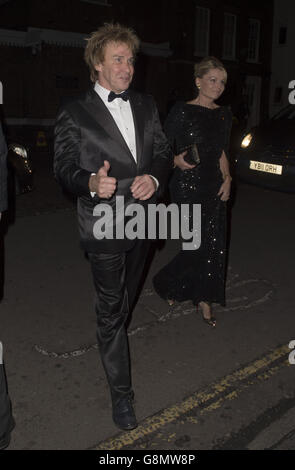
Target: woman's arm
(224,191)
(224,167)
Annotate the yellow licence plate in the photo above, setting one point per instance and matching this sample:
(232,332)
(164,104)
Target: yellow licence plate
(266,167)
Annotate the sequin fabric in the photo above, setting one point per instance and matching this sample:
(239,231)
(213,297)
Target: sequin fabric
(199,274)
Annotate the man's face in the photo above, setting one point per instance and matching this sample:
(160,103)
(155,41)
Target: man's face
(116,71)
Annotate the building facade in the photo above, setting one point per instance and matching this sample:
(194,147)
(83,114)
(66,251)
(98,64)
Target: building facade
(42,45)
(283,52)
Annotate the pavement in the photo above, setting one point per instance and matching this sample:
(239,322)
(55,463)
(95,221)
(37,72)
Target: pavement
(196,388)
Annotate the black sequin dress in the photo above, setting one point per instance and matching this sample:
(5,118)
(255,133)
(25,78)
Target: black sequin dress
(199,274)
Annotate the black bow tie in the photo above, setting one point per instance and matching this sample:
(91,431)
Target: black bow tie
(125,95)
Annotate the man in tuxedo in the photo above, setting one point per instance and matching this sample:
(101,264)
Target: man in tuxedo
(110,144)
(6,419)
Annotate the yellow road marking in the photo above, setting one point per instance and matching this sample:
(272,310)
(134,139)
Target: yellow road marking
(172,413)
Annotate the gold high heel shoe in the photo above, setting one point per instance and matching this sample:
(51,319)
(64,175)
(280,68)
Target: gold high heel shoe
(211,321)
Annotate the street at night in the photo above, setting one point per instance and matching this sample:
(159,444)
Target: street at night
(196,388)
(183,102)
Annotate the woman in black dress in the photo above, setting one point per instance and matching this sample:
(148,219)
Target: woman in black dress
(199,274)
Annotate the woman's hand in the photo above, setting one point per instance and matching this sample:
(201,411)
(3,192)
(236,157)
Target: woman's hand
(181,163)
(224,191)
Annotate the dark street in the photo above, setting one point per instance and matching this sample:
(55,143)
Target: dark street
(196,388)
(127,92)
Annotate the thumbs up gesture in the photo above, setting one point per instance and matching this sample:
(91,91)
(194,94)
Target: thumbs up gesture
(102,184)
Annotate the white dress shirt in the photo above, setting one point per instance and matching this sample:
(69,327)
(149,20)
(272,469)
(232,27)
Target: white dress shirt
(123,117)
(122,114)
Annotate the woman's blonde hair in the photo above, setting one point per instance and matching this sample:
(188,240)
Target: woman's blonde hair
(206,64)
(98,40)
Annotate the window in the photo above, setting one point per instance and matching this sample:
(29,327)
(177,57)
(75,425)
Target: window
(202,26)
(229,36)
(253,40)
(282,35)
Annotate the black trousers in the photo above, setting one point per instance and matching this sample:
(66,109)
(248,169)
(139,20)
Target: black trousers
(116,279)
(6,419)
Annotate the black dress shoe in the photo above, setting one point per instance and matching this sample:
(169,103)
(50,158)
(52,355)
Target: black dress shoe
(124,416)
(4,441)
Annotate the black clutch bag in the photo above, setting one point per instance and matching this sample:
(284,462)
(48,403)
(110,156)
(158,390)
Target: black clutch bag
(186,141)
(192,154)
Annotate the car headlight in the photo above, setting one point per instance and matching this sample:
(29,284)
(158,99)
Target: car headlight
(19,150)
(247,140)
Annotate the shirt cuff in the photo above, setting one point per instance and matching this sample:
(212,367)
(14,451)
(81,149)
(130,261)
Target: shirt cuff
(92,192)
(156,181)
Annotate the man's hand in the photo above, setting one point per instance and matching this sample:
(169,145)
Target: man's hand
(143,187)
(102,184)
(181,163)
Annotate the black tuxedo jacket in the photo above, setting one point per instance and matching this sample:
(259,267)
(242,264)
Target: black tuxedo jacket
(86,135)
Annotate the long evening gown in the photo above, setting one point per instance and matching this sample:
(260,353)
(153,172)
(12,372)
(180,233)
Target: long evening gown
(199,275)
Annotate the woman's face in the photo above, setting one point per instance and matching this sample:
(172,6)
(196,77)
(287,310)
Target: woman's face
(212,84)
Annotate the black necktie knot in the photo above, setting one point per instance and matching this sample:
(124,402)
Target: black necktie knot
(112,95)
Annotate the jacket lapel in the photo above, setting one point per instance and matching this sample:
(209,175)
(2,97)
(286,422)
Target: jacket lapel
(138,119)
(97,109)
